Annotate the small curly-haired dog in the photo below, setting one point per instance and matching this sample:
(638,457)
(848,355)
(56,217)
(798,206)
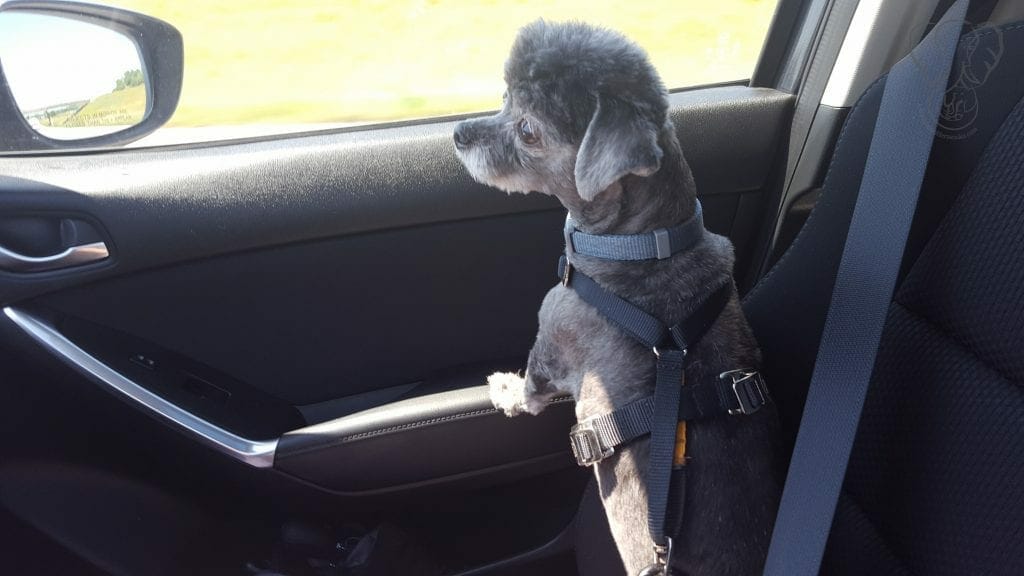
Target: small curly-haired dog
(585,119)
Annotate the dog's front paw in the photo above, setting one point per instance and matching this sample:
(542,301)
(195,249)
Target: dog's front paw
(508,392)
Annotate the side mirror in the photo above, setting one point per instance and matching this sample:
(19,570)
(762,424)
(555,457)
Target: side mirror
(76,75)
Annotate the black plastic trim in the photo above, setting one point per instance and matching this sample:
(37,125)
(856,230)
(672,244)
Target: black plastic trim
(787,44)
(829,35)
(203,391)
(809,175)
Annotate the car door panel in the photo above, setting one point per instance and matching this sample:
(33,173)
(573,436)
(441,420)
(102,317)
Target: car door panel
(166,205)
(265,280)
(333,302)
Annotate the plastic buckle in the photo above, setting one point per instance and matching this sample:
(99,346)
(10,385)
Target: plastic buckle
(662,244)
(564,270)
(662,560)
(586,446)
(567,231)
(750,390)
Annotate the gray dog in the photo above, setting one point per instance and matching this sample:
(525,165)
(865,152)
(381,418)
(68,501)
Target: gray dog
(585,120)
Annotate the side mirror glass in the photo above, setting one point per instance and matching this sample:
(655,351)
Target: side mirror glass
(72,79)
(78,75)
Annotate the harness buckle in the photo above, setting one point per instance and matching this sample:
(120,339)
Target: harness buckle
(586,446)
(564,270)
(662,560)
(750,390)
(567,231)
(662,244)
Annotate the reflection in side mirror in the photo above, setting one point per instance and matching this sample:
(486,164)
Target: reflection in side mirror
(71,79)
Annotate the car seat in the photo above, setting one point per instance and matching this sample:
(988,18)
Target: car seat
(934,480)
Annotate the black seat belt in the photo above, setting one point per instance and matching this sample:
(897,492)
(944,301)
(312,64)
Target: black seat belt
(866,278)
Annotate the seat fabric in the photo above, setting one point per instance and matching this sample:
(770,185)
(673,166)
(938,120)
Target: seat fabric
(939,456)
(935,483)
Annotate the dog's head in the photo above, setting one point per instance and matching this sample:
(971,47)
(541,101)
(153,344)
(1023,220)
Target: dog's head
(583,109)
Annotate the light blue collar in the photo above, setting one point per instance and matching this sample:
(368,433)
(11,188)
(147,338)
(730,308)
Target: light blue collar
(655,245)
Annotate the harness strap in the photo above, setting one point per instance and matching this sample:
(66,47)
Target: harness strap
(667,387)
(636,322)
(734,392)
(658,244)
(645,328)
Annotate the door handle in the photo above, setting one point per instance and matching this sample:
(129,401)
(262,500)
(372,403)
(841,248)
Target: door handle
(11,261)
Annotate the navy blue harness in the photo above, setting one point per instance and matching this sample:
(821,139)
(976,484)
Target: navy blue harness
(733,392)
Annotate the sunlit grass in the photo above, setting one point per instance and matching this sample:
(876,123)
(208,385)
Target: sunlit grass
(120,108)
(277,61)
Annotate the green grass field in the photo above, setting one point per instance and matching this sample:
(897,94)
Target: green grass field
(278,61)
(121,108)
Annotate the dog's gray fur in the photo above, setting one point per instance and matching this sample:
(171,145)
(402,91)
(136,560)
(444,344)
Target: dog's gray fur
(609,153)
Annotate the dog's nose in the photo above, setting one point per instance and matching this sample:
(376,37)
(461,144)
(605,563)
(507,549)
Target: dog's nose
(463,136)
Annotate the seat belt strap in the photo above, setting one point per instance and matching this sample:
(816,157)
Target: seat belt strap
(900,147)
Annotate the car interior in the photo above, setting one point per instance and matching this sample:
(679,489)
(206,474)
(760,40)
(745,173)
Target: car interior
(278,362)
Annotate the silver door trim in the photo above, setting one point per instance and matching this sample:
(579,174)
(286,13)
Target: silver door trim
(256,453)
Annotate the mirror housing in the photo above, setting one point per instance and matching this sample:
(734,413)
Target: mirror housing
(162,57)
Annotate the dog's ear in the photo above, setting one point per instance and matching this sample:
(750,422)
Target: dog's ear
(619,141)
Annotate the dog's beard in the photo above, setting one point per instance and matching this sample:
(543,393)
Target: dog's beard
(483,170)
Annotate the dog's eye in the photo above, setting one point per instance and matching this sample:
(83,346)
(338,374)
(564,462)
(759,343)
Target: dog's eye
(526,132)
